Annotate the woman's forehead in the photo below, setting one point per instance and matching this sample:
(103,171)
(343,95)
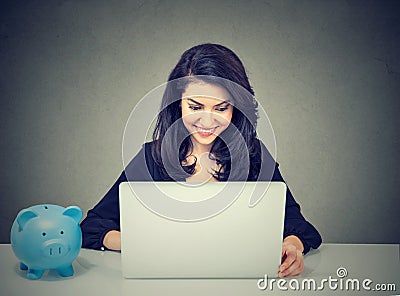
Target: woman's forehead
(206,92)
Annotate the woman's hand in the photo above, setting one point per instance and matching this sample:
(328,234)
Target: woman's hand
(292,255)
(112,240)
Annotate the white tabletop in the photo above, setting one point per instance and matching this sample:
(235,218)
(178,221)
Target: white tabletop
(99,273)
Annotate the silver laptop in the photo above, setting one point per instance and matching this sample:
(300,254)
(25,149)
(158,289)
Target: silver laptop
(209,230)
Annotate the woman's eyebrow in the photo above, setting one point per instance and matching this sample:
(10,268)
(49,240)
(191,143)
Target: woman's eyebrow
(219,104)
(224,102)
(189,99)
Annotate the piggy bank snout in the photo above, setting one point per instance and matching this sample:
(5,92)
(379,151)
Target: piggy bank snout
(55,248)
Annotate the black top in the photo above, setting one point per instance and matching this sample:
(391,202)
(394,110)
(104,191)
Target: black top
(105,215)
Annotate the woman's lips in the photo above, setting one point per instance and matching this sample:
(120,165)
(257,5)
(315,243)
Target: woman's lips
(205,132)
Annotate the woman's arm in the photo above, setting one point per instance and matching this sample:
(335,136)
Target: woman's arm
(100,228)
(295,224)
(103,218)
(299,235)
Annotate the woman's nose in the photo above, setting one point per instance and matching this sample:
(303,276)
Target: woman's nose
(207,119)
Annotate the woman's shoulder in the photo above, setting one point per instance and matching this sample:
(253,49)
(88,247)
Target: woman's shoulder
(142,167)
(151,163)
(265,152)
(148,147)
(268,166)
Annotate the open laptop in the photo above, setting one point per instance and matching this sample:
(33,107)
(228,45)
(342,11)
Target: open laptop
(225,235)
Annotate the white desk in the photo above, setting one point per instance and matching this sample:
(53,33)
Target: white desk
(99,273)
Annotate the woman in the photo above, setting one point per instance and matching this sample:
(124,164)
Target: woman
(209,120)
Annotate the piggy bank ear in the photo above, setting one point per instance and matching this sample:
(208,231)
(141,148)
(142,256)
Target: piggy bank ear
(74,212)
(23,217)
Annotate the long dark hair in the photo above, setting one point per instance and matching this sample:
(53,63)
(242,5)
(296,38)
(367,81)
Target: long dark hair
(215,64)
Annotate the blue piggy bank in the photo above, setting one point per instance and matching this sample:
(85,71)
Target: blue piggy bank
(47,237)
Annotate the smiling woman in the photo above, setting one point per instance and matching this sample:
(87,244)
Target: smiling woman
(205,131)
(205,117)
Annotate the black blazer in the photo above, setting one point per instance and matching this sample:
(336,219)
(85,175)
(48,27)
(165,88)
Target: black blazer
(105,215)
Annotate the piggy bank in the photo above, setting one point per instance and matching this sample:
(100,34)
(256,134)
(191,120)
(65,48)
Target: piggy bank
(47,237)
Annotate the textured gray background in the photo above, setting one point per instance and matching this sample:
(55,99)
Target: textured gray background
(327,72)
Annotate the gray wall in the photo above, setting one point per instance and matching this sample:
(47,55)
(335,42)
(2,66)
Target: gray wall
(327,72)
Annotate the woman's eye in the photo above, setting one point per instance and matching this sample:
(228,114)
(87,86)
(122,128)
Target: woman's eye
(194,107)
(222,109)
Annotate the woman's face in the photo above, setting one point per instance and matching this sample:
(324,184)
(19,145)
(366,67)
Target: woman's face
(206,112)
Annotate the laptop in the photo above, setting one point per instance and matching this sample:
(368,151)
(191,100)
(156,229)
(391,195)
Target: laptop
(208,230)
